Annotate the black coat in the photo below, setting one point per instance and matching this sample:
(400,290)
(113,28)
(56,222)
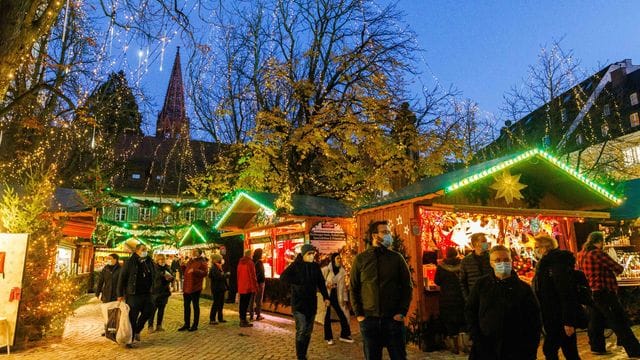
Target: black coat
(218,279)
(161,286)
(504,319)
(451,299)
(472,268)
(305,279)
(108,282)
(259,271)
(128,275)
(380,283)
(556,290)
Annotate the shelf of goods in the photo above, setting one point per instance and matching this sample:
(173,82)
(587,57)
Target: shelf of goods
(629,258)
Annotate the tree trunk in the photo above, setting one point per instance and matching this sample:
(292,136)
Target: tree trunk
(22,23)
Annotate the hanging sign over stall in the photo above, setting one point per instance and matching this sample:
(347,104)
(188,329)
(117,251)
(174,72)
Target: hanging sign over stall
(328,237)
(14,248)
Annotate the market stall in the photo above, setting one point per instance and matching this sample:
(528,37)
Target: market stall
(325,223)
(511,199)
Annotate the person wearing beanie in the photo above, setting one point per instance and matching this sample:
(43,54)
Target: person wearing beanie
(305,278)
(218,279)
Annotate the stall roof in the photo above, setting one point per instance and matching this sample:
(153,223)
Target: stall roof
(630,208)
(454,180)
(246,205)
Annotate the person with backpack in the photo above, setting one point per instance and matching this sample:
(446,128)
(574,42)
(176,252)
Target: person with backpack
(556,290)
(601,271)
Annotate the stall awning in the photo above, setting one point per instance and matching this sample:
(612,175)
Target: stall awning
(249,204)
(81,227)
(556,176)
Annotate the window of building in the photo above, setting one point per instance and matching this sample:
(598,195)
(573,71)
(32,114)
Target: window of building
(135,176)
(564,115)
(634,98)
(168,219)
(631,155)
(634,119)
(209,216)
(189,215)
(606,110)
(579,139)
(121,214)
(145,214)
(605,129)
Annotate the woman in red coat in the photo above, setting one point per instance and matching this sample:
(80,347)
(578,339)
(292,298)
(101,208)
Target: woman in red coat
(247,285)
(195,271)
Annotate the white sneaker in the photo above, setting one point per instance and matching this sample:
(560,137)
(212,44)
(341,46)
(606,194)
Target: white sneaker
(346,339)
(329,342)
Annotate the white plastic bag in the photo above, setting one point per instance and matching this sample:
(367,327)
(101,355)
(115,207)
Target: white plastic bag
(124,333)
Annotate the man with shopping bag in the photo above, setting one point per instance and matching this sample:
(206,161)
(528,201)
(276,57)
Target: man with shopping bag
(134,287)
(117,324)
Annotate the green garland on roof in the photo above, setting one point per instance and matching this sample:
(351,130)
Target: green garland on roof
(142,227)
(173,206)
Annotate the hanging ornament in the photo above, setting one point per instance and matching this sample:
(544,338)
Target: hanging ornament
(508,186)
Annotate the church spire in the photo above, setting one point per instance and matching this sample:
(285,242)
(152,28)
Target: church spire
(172,120)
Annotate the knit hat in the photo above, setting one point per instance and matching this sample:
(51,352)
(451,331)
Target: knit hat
(306,248)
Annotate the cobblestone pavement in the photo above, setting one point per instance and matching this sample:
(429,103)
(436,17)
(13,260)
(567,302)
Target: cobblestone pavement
(272,338)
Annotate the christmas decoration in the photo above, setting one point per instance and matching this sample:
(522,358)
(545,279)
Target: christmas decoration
(508,186)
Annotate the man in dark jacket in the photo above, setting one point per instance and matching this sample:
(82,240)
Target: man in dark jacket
(451,299)
(502,313)
(160,292)
(474,265)
(108,281)
(134,286)
(381,294)
(305,277)
(557,294)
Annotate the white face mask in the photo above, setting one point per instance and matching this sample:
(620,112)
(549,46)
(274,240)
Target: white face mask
(144,254)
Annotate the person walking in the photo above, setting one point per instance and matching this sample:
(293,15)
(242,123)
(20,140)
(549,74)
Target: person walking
(305,278)
(195,271)
(557,294)
(134,286)
(601,270)
(502,313)
(380,294)
(160,292)
(255,305)
(175,270)
(451,298)
(335,278)
(106,290)
(476,264)
(219,285)
(247,285)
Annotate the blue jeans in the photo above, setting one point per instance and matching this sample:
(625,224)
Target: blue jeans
(304,327)
(380,332)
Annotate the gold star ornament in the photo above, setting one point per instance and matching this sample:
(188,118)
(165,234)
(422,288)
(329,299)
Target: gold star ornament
(508,186)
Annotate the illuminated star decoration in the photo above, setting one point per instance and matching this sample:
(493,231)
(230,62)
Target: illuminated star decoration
(508,186)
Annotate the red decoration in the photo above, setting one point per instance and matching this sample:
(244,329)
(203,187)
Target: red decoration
(15,294)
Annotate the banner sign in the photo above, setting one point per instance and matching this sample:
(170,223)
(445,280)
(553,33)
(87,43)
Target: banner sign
(14,248)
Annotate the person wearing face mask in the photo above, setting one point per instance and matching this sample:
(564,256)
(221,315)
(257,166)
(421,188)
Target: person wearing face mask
(381,293)
(305,278)
(134,286)
(194,273)
(502,313)
(475,265)
(160,292)
(601,270)
(108,280)
(556,290)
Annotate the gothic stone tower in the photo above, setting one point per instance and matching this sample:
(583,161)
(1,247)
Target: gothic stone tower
(172,120)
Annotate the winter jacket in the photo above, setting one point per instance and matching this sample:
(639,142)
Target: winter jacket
(259,271)
(339,280)
(451,299)
(472,268)
(128,279)
(193,279)
(380,283)
(504,319)
(247,282)
(556,289)
(108,282)
(161,286)
(175,266)
(218,278)
(305,279)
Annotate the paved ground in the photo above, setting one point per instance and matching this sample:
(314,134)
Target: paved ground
(272,338)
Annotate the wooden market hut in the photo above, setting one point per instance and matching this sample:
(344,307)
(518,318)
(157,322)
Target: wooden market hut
(251,218)
(510,197)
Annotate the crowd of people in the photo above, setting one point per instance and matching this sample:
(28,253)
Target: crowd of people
(505,316)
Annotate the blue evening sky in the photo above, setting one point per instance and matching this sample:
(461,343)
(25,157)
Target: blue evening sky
(484,47)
